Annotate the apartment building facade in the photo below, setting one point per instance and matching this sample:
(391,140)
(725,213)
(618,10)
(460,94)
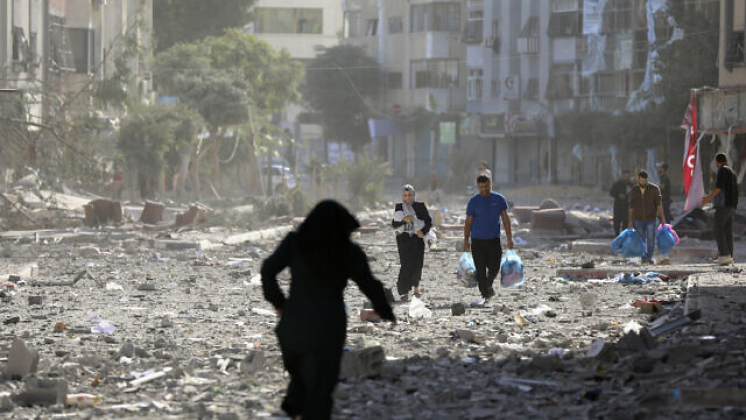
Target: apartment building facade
(301,27)
(418,44)
(65,45)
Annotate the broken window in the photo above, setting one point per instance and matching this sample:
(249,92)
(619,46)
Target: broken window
(613,84)
(561,82)
(371,28)
(351,24)
(528,41)
(618,16)
(474,84)
(563,24)
(394,80)
(734,26)
(396,25)
(435,17)
(20,45)
(278,20)
(81,44)
(532,88)
(440,74)
(61,55)
(474,24)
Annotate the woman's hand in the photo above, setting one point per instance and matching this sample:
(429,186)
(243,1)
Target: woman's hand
(420,234)
(408,219)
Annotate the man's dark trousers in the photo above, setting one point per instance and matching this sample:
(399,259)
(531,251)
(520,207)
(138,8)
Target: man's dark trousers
(487,254)
(723,230)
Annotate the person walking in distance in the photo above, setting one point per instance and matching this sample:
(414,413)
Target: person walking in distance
(619,190)
(313,321)
(484,169)
(725,200)
(412,221)
(644,205)
(482,234)
(665,186)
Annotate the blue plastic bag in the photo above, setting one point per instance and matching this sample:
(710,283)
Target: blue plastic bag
(466,273)
(511,270)
(629,243)
(666,239)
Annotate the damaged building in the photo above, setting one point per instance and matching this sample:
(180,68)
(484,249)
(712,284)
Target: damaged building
(502,71)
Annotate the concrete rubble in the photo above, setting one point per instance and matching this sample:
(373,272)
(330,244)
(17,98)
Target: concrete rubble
(194,338)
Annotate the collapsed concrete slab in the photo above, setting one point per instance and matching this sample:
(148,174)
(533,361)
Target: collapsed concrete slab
(152,213)
(100,212)
(22,361)
(362,363)
(38,391)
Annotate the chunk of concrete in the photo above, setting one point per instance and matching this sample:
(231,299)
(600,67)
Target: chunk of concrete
(253,362)
(39,391)
(458,309)
(551,219)
(22,361)
(152,213)
(100,212)
(362,363)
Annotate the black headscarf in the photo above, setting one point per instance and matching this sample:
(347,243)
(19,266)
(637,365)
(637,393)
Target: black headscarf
(324,239)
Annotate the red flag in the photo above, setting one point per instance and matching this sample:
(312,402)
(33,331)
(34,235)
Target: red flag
(690,151)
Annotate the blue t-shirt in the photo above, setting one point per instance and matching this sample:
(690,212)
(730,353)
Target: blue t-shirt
(486,213)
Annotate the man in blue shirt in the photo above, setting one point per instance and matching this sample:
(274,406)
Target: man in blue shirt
(483,214)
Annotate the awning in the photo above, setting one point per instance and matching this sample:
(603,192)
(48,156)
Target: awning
(385,127)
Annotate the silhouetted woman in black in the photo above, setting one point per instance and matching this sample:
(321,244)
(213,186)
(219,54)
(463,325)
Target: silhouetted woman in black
(313,323)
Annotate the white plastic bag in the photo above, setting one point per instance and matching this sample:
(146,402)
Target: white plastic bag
(417,309)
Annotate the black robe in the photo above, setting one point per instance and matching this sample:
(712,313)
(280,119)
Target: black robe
(313,326)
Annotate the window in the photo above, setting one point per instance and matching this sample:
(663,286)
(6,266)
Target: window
(585,85)
(396,25)
(532,89)
(371,28)
(561,82)
(495,85)
(81,44)
(735,30)
(61,55)
(565,6)
(618,16)
(394,80)
(20,45)
(473,31)
(474,84)
(435,17)
(351,24)
(562,24)
(276,20)
(614,84)
(440,74)
(528,40)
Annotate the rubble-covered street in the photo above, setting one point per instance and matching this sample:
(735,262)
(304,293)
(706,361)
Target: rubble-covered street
(172,324)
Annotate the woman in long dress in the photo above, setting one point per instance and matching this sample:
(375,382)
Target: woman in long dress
(313,324)
(412,222)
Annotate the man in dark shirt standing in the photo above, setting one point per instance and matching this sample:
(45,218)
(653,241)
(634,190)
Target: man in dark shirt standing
(665,186)
(725,200)
(619,192)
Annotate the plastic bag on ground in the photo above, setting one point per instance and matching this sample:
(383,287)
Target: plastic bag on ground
(511,270)
(629,243)
(666,238)
(417,309)
(466,273)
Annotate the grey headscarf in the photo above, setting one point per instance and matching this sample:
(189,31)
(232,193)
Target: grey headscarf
(406,207)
